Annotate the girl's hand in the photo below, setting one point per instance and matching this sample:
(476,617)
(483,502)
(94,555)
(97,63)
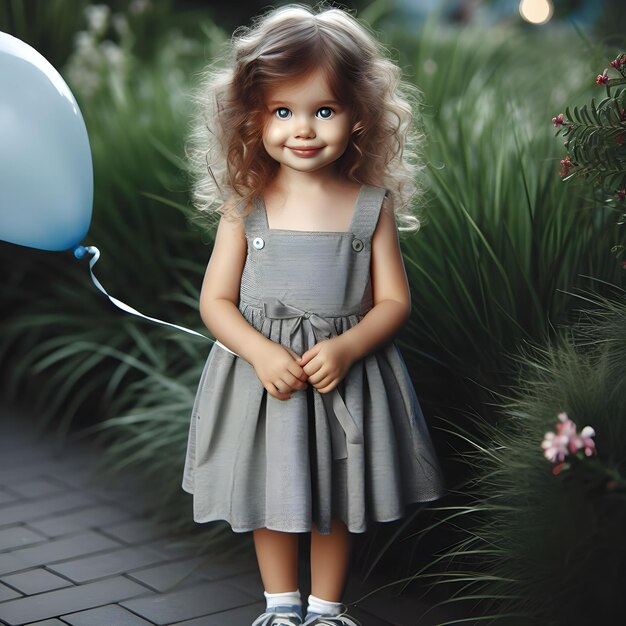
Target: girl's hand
(327,362)
(278,370)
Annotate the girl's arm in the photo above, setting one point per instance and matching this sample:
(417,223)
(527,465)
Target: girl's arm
(327,362)
(275,366)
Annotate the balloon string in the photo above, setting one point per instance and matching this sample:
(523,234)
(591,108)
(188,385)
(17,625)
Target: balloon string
(79,253)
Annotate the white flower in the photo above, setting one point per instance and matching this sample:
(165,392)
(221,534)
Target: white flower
(120,24)
(137,7)
(83,40)
(97,18)
(112,53)
(587,432)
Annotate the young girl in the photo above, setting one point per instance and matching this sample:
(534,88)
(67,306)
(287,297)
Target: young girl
(305,418)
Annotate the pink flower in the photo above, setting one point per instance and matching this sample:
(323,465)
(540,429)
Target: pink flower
(566,440)
(583,441)
(554,447)
(566,427)
(621,194)
(602,79)
(618,61)
(566,165)
(619,139)
(558,120)
(622,115)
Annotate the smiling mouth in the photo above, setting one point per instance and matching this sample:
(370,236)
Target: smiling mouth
(304,152)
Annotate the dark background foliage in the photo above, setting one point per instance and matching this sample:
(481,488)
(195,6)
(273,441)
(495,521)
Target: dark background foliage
(506,259)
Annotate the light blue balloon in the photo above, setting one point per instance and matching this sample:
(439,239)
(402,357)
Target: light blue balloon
(46,173)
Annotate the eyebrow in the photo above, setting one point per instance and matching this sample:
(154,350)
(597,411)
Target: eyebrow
(289,102)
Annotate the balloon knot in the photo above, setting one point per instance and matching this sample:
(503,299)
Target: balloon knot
(80,252)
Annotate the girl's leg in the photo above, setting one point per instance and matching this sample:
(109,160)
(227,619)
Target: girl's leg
(277,554)
(330,556)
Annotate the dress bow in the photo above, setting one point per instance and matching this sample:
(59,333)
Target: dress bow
(341,423)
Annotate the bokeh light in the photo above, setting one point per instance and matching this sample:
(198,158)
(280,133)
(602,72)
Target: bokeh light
(536,11)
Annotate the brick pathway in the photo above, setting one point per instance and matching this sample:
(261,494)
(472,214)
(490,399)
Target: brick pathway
(79,552)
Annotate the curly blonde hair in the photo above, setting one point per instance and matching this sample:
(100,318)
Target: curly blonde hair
(227,158)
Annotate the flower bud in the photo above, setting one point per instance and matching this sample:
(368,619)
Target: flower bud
(618,61)
(588,431)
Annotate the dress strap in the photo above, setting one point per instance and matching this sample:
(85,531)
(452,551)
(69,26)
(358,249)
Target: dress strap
(256,220)
(367,210)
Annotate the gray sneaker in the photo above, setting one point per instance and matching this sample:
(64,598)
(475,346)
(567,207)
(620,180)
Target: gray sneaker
(280,616)
(343,619)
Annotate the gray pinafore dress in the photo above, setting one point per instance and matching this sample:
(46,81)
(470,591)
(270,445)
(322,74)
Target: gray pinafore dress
(361,452)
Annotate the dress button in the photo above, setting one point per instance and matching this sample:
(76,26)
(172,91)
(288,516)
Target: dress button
(357,245)
(258,243)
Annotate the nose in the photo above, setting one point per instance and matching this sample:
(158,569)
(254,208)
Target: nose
(304,128)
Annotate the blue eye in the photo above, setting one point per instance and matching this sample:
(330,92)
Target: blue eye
(325,113)
(282,113)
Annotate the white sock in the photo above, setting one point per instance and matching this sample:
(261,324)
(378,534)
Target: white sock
(281,599)
(323,607)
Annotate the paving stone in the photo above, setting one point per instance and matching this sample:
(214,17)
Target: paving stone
(164,577)
(173,548)
(7,496)
(18,473)
(31,466)
(95,516)
(187,603)
(110,615)
(69,600)
(38,487)
(22,449)
(18,536)
(35,581)
(86,568)
(218,570)
(31,456)
(54,551)
(234,617)
(6,593)
(86,477)
(31,510)
(116,486)
(249,583)
(135,531)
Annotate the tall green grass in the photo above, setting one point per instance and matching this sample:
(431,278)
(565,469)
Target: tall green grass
(546,549)
(62,342)
(503,246)
(504,239)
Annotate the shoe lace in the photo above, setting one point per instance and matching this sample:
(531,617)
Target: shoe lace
(343,619)
(278,619)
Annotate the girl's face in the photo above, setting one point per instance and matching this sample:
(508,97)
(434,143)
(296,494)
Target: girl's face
(306,128)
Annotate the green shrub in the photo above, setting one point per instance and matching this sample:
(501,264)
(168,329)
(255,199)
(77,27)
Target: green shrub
(502,247)
(545,548)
